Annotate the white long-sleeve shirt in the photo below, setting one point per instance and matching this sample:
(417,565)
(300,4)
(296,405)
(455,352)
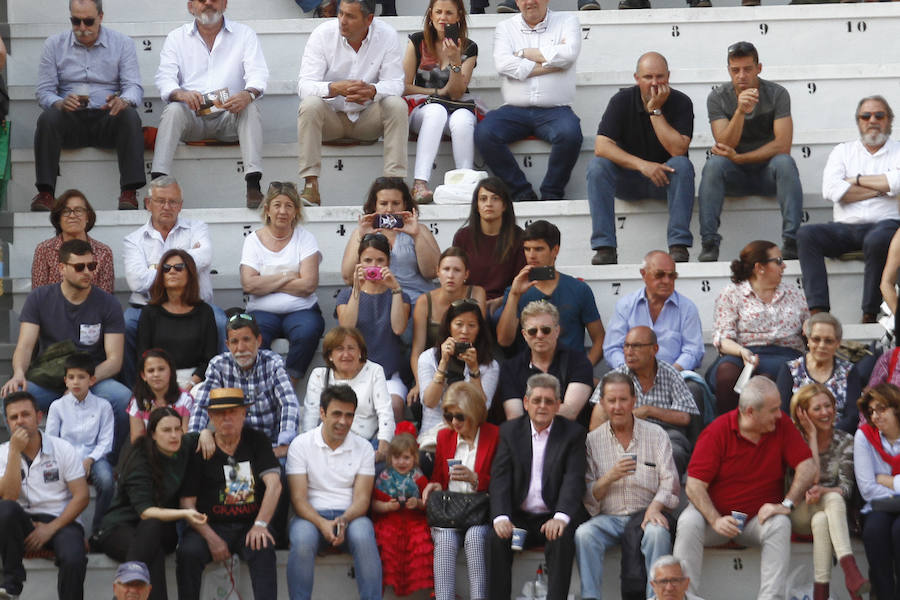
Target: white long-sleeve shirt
(850,159)
(327,57)
(87,425)
(144,247)
(558,37)
(235,62)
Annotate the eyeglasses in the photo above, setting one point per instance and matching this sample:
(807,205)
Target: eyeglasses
(828,341)
(373,236)
(170,203)
(241,317)
(177,266)
(88,22)
(877,409)
(277,186)
(636,346)
(673,275)
(232,468)
(450,417)
(532,331)
(542,400)
(78,211)
(777,260)
(879,115)
(464,302)
(80,267)
(669,581)
(741,48)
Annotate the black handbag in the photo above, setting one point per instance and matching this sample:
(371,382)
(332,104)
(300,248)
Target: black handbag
(457,510)
(450,104)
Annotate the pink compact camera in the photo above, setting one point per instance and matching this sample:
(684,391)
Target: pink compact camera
(372,273)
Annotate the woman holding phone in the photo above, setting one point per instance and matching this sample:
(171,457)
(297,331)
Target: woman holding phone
(438,65)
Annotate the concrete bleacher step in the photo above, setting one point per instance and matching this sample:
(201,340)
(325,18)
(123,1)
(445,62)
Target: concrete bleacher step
(727,573)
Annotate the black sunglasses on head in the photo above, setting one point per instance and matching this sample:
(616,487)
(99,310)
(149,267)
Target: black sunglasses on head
(88,22)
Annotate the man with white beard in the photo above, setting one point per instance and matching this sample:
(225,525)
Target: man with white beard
(862,179)
(272,406)
(207,55)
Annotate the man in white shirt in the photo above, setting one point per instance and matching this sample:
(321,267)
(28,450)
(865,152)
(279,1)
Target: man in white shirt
(142,249)
(331,473)
(42,493)
(862,179)
(535,54)
(351,86)
(210,54)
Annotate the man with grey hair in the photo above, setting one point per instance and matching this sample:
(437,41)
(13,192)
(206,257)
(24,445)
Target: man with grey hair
(570,366)
(537,484)
(143,247)
(736,485)
(351,86)
(88,84)
(668,579)
(862,180)
(212,56)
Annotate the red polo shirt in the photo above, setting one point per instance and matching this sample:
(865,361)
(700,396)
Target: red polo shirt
(742,475)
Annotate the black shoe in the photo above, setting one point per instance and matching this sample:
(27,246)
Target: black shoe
(710,252)
(507,6)
(528,196)
(625,4)
(789,249)
(605,255)
(679,253)
(590,5)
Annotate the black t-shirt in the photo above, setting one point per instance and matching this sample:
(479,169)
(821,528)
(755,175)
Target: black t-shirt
(627,122)
(514,373)
(230,488)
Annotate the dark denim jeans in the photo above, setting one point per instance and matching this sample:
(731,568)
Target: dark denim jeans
(606,180)
(558,126)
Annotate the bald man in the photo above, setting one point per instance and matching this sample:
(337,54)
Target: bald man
(641,152)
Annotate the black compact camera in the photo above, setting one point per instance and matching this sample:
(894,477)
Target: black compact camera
(461,347)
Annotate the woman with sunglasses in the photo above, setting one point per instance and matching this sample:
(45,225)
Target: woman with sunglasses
(820,364)
(463,352)
(492,240)
(876,463)
(391,211)
(140,524)
(177,320)
(472,443)
(72,217)
(379,308)
(280,271)
(758,321)
(453,272)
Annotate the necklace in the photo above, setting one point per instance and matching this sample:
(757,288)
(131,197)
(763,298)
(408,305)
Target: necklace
(280,239)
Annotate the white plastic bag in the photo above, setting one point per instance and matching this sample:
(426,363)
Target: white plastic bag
(799,584)
(459,184)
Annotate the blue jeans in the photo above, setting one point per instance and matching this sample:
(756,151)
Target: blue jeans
(777,177)
(110,390)
(302,328)
(594,536)
(606,180)
(129,361)
(359,541)
(105,485)
(559,126)
(815,242)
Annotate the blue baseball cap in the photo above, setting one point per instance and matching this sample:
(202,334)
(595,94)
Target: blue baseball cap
(132,571)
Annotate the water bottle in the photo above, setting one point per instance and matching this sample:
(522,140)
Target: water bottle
(540,584)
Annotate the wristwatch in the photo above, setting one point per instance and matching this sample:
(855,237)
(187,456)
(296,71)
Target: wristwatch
(253,95)
(655,113)
(788,504)
(456,68)
(520,53)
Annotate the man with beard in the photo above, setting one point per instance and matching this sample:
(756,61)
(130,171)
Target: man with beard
(862,179)
(272,406)
(88,85)
(208,55)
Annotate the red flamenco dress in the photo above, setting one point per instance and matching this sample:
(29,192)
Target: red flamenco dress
(403,536)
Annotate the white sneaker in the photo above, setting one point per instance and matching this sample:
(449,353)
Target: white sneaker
(4,595)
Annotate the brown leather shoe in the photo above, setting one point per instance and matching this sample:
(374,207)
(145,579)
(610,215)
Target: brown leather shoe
(869,318)
(128,200)
(310,195)
(254,198)
(42,202)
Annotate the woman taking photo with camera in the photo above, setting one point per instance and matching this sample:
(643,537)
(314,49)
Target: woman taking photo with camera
(377,306)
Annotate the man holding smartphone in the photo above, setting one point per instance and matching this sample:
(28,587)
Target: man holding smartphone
(539,280)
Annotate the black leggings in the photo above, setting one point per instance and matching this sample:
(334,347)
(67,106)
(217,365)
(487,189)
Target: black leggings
(147,541)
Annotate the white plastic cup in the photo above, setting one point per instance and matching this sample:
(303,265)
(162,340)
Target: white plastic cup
(518,539)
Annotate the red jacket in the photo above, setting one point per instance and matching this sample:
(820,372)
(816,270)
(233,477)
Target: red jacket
(446,448)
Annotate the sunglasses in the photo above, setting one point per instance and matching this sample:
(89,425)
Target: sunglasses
(450,417)
(78,211)
(177,266)
(373,236)
(742,48)
(232,469)
(532,331)
(464,302)
(277,186)
(673,275)
(80,267)
(879,115)
(242,317)
(777,260)
(89,22)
